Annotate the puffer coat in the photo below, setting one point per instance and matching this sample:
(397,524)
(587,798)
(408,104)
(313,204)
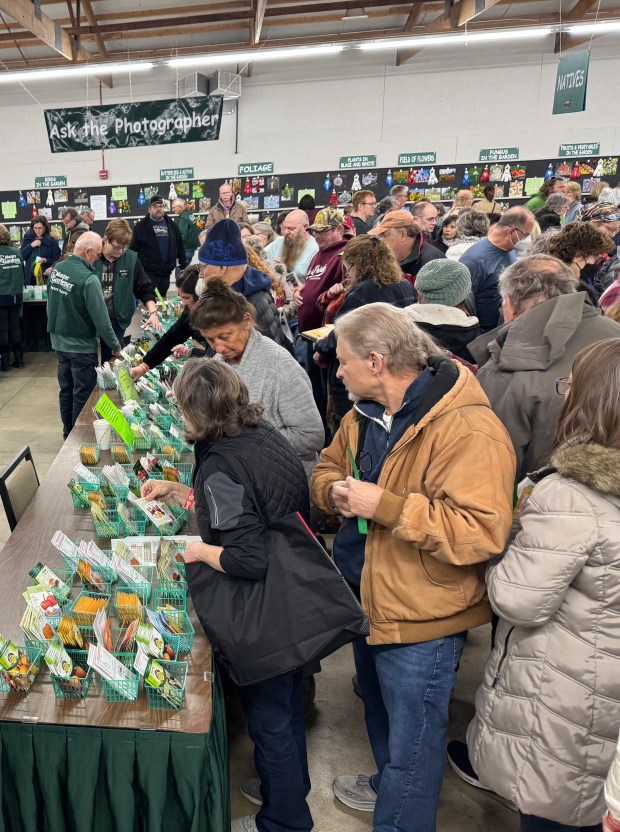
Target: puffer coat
(548,709)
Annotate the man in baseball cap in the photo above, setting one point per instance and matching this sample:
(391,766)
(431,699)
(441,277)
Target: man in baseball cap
(405,237)
(324,271)
(159,245)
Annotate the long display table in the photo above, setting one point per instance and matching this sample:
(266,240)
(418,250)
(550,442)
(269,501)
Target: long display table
(86,765)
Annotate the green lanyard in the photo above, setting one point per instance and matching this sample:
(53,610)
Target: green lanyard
(362,523)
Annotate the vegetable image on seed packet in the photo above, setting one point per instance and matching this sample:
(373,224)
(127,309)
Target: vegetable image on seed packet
(58,660)
(44,576)
(156,676)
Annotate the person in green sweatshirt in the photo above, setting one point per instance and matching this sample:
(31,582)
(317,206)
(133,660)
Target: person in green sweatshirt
(11,298)
(123,279)
(187,228)
(76,317)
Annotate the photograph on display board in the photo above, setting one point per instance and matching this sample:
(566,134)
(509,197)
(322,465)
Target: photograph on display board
(564,169)
(257,184)
(151,190)
(204,204)
(182,188)
(496,172)
(198,190)
(433,194)
(345,198)
(236,185)
(447,174)
(586,168)
(79,198)
(338,180)
(61,195)
(251,202)
(518,171)
(272,202)
(515,189)
(33,197)
(370,180)
(273,185)
(588,184)
(287,193)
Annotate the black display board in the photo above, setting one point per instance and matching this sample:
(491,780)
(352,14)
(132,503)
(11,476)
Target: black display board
(270,194)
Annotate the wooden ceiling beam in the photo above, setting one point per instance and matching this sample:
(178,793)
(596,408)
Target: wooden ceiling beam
(158,23)
(581,9)
(44,28)
(256,25)
(466,10)
(413,18)
(90,15)
(403,56)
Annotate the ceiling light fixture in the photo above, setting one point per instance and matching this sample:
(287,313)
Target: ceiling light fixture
(455,40)
(358,13)
(217,58)
(593,28)
(80,71)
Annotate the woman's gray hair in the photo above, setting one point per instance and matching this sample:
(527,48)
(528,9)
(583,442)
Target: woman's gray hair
(384,329)
(472,224)
(535,279)
(555,202)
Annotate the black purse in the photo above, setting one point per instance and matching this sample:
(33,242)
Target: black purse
(303,609)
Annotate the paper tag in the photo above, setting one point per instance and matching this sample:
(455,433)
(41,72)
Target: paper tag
(61,542)
(113,416)
(85,475)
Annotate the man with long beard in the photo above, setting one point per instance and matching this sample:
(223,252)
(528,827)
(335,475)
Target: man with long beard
(296,247)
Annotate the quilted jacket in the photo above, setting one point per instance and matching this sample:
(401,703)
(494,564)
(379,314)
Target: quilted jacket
(225,513)
(548,709)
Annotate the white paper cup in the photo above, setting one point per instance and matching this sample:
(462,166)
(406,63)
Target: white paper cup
(103,434)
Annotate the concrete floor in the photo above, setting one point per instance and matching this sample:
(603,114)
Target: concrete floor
(337,741)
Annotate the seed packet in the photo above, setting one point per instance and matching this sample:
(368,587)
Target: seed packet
(168,562)
(171,472)
(127,639)
(155,511)
(149,639)
(127,573)
(21,676)
(66,547)
(103,631)
(112,670)
(44,576)
(69,633)
(91,578)
(131,525)
(85,475)
(35,626)
(157,676)
(40,598)
(58,660)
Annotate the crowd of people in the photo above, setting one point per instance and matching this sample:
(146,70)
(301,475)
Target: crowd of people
(444,390)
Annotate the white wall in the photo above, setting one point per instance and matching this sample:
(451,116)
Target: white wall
(304,118)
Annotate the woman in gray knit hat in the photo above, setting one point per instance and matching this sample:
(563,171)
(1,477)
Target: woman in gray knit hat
(444,306)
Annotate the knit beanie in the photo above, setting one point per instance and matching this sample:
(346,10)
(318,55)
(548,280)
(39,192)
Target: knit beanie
(223,245)
(447,282)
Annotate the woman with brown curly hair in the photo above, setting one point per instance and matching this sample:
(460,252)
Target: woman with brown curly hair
(372,275)
(581,246)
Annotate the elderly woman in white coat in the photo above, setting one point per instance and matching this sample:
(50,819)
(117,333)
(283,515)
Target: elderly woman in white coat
(548,710)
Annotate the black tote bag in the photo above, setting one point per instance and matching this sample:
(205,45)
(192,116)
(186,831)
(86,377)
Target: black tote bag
(302,609)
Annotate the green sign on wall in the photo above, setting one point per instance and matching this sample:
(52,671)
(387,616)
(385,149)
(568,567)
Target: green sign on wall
(571,83)
(499,154)
(348,162)
(255,168)
(417,159)
(134,125)
(50,182)
(176,174)
(585,149)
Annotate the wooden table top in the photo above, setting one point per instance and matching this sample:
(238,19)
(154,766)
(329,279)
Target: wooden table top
(51,509)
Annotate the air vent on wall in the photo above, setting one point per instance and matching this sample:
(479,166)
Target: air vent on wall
(192,85)
(225,83)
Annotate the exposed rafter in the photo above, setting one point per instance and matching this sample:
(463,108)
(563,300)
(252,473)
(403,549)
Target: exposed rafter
(413,17)
(257,22)
(93,22)
(466,10)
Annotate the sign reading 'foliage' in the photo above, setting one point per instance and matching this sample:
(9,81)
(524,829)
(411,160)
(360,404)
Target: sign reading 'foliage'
(134,125)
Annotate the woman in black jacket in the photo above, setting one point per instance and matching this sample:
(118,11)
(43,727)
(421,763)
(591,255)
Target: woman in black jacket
(173,341)
(38,242)
(372,275)
(218,416)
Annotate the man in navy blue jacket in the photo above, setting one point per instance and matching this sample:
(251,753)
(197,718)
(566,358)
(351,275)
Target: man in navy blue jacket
(158,243)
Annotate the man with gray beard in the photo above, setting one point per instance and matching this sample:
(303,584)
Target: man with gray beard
(296,247)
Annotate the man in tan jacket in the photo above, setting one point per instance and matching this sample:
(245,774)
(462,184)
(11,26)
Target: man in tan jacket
(227,207)
(436,471)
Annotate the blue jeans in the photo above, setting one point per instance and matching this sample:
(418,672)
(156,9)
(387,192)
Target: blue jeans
(274,710)
(77,378)
(406,691)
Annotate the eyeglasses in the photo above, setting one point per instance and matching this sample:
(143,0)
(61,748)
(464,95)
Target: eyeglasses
(374,204)
(562,385)
(519,231)
(116,248)
(324,231)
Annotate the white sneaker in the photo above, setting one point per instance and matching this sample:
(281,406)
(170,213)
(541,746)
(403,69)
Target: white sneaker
(355,792)
(247,824)
(250,789)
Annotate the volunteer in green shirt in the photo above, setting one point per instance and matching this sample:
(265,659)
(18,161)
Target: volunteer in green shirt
(122,279)
(11,297)
(76,318)
(187,228)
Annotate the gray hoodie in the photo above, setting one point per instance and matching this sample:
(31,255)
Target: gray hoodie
(520,362)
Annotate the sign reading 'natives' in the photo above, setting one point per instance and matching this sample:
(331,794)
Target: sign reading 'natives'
(571,83)
(134,125)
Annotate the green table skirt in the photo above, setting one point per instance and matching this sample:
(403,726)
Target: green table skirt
(70,779)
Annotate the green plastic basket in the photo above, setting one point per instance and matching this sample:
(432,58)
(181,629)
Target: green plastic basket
(111,528)
(167,599)
(109,576)
(163,420)
(154,697)
(81,500)
(74,688)
(122,690)
(186,636)
(121,452)
(105,384)
(125,613)
(83,618)
(92,451)
(135,526)
(19,683)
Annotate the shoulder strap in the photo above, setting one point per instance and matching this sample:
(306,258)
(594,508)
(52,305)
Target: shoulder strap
(241,472)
